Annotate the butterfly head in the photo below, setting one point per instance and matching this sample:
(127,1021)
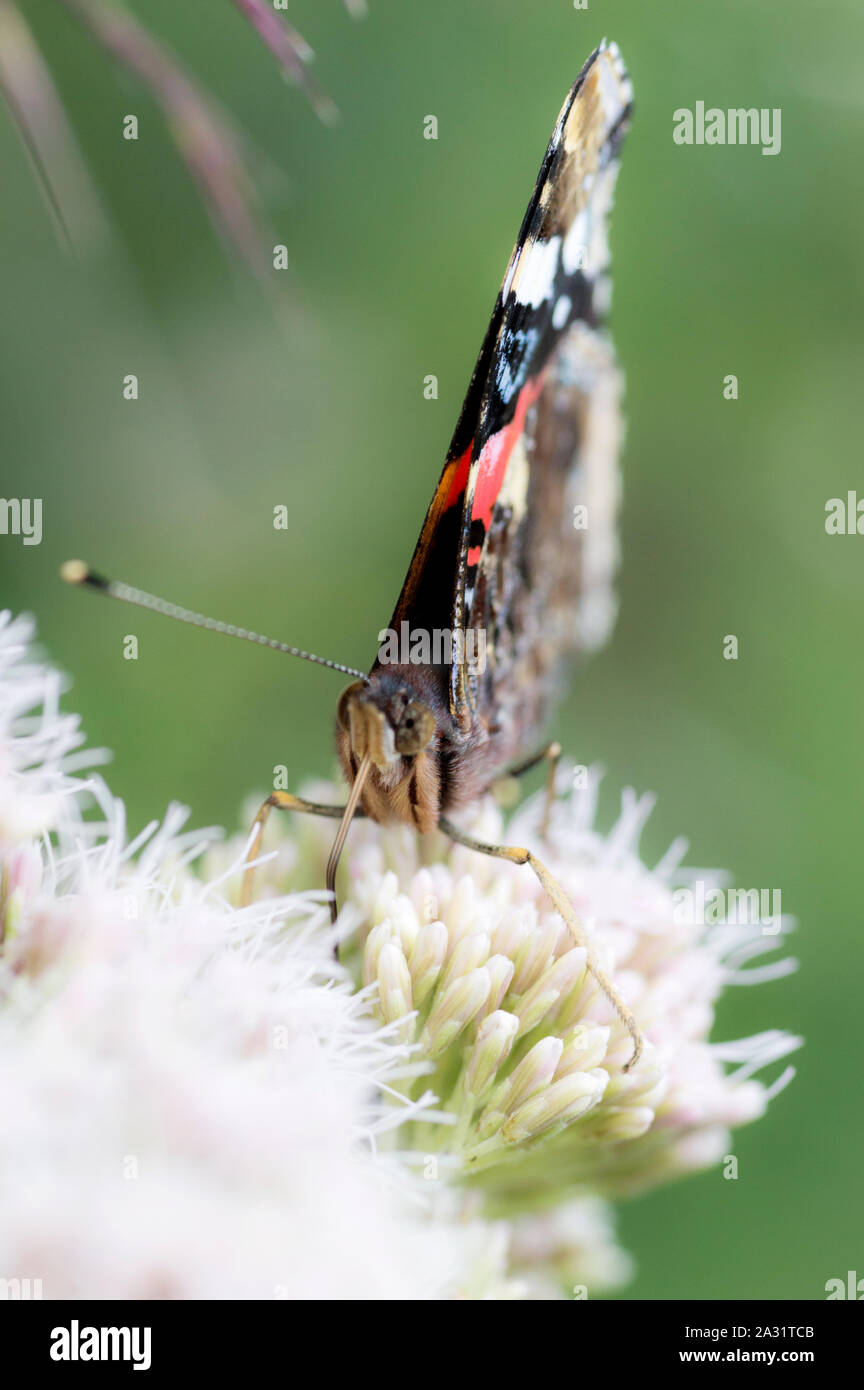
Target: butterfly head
(386,719)
(385,736)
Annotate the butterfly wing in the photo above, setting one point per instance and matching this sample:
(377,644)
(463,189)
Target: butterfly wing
(499,555)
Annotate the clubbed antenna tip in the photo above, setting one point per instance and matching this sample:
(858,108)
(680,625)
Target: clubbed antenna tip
(76,572)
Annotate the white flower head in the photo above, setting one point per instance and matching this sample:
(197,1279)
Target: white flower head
(34,764)
(200,1101)
(193,1096)
(475,967)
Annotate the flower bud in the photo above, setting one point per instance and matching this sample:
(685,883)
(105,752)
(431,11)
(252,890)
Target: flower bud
(534,955)
(470,952)
(584,1047)
(374,945)
(501,974)
(622,1122)
(533,1074)
(456,1007)
(426,960)
(534,1071)
(494,1040)
(556,1105)
(394,983)
(562,976)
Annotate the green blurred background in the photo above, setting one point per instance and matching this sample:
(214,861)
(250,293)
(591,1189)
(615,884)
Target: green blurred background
(725,261)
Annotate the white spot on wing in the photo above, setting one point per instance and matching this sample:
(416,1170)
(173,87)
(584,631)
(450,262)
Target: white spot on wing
(536,271)
(561,312)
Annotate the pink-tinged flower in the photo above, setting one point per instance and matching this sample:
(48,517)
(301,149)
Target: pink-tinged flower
(569,1252)
(525,1052)
(41,750)
(199,1101)
(195,1099)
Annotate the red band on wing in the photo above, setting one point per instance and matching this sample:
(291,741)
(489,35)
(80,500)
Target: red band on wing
(460,480)
(492,464)
(496,452)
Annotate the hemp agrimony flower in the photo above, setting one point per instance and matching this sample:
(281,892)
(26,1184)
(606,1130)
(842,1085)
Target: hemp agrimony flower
(199,1101)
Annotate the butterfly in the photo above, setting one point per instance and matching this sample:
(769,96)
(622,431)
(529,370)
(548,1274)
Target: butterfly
(513,571)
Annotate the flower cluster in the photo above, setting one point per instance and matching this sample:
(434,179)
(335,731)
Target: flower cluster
(472,965)
(200,1101)
(193,1096)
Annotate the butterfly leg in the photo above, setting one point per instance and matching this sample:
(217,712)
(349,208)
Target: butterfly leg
(282,801)
(551,755)
(559,900)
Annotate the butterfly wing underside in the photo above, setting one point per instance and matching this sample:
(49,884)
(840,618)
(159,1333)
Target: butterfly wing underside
(519,541)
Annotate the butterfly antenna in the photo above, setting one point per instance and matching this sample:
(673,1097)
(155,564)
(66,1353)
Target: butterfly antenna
(76,572)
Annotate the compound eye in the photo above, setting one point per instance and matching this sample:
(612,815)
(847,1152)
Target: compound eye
(415,728)
(344,701)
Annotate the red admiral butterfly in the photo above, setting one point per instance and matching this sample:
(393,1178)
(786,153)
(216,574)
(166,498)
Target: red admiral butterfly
(506,565)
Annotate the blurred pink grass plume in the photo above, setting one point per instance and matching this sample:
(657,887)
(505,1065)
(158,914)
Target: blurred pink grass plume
(218,156)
